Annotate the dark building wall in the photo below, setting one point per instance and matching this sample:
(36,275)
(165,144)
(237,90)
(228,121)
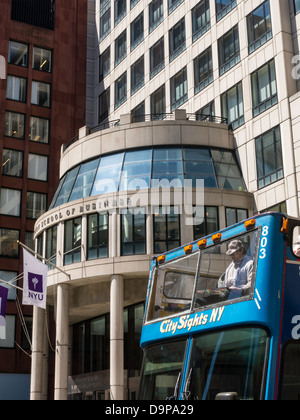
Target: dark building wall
(65,36)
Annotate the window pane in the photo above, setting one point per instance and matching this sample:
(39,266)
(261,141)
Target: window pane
(10,202)
(8,276)
(14,125)
(39,130)
(8,242)
(40,94)
(84,181)
(36,205)
(38,167)
(12,163)
(42,59)
(16,88)
(18,54)
(108,174)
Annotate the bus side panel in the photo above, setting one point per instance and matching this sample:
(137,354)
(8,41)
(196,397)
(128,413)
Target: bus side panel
(291,312)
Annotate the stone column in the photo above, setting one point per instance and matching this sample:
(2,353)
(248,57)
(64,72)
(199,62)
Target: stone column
(116,338)
(62,343)
(37,357)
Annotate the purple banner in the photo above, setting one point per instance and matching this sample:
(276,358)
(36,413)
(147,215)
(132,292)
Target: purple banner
(3,302)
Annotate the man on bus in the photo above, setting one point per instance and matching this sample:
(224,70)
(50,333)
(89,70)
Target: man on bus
(238,276)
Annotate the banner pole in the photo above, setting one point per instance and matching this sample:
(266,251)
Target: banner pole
(10,284)
(43,259)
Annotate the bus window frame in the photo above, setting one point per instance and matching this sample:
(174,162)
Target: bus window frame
(250,296)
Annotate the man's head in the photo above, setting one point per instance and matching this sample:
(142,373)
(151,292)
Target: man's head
(235,250)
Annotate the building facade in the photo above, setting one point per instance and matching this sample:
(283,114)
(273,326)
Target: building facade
(42,103)
(179,90)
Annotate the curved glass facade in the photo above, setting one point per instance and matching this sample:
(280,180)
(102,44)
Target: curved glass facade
(146,168)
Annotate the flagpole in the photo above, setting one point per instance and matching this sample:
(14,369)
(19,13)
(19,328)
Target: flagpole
(42,258)
(10,284)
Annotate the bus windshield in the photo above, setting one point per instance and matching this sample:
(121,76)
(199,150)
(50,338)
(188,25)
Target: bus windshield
(218,274)
(161,369)
(229,361)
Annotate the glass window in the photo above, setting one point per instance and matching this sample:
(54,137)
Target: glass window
(167,166)
(138,113)
(221,279)
(208,223)
(290,373)
(8,243)
(133,231)
(234,215)
(229,361)
(105,22)
(177,42)
(157,57)
(269,157)
(9,341)
(156,14)
(36,205)
(198,164)
(108,174)
(84,181)
(40,94)
(173,287)
(120,48)
(227,171)
(51,246)
(121,90)
(264,89)
(98,230)
(14,125)
(158,104)
(297,6)
(259,26)
(173,4)
(203,70)
(229,50)
(16,88)
(166,229)
(39,130)
(223,7)
(12,163)
(137,31)
(206,113)
(137,75)
(10,202)
(18,54)
(10,276)
(65,188)
(104,64)
(179,89)
(42,59)
(104,105)
(232,106)
(161,367)
(72,247)
(120,10)
(136,173)
(38,167)
(200,19)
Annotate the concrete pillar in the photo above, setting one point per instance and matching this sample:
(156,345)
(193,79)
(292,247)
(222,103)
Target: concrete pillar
(37,357)
(62,343)
(116,338)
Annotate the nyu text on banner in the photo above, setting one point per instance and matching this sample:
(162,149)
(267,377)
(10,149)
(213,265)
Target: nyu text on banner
(3,302)
(35,281)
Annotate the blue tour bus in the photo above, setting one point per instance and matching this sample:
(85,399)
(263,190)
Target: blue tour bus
(221,327)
